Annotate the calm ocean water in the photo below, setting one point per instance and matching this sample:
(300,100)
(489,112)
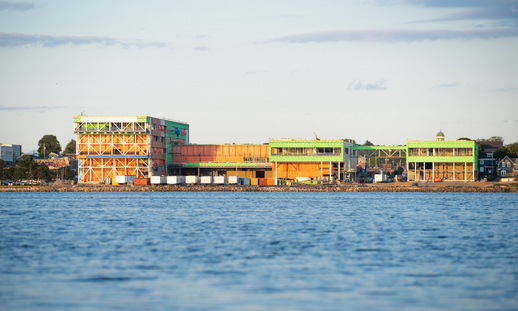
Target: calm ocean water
(258,251)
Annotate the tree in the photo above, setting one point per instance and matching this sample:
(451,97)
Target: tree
(48,144)
(513,149)
(3,169)
(368,143)
(502,152)
(26,169)
(492,138)
(10,172)
(71,147)
(43,173)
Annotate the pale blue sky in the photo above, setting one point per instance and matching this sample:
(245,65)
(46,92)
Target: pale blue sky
(247,71)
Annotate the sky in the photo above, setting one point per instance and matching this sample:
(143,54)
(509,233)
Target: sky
(387,71)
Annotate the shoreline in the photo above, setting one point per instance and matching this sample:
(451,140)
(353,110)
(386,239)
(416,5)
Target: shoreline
(469,187)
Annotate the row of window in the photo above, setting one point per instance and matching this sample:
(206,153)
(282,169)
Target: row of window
(440,152)
(307,151)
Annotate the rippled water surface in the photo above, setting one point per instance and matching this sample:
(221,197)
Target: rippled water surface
(258,251)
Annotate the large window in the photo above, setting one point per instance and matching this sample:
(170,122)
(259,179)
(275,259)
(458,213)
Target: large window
(329,151)
(440,152)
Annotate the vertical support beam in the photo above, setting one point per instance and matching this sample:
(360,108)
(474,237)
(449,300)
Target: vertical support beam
(415,171)
(338,171)
(424,171)
(473,171)
(330,172)
(433,171)
(275,170)
(453,170)
(407,171)
(321,168)
(465,171)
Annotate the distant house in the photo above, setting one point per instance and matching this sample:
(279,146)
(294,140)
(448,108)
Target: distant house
(53,155)
(507,167)
(487,162)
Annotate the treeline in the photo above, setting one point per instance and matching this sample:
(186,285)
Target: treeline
(25,169)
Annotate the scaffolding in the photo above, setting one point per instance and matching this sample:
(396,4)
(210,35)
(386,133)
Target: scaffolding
(126,145)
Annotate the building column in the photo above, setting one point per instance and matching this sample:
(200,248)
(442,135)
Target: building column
(321,168)
(330,173)
(338,171)
(424,171)
(433,171)
(465,171)
(453,170)
(415,171)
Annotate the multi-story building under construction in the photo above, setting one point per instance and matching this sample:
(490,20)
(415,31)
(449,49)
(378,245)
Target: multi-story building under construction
(140,145)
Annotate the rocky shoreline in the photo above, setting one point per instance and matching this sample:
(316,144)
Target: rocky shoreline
(238,188)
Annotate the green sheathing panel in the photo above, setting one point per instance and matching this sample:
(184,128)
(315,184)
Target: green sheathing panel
(306,144)
(221,165)
(144,119)
(444,144)
(357,147)
(77,119)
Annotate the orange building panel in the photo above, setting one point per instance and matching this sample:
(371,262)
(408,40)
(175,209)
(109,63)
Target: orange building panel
(294,170)
(220,153)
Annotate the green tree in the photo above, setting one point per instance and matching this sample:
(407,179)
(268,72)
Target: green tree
(71,147)
(502,152)
(368,143)
(492,138)
(3,169)
(26,168)
(43,173)
(48,144)
(513,149)
(10,172)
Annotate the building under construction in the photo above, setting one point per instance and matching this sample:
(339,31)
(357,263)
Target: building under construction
(139,146)
(442,160)
(316,159)
(242,160)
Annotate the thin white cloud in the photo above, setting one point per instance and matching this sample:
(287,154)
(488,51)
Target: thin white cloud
(474,9)
(374,86)
(200,48)
(30,107)
(397,35)
(13,40)
(15,6)
(440,85)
